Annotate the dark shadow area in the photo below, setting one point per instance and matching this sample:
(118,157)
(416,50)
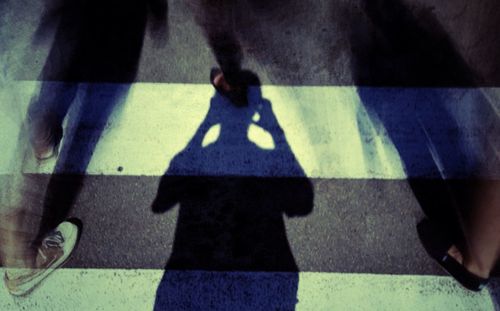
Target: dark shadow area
(232,198)
(92,61)
(97,41)
(405,47)
(401,58)
(289,38)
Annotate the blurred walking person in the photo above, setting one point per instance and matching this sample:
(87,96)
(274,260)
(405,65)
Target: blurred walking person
(94,56)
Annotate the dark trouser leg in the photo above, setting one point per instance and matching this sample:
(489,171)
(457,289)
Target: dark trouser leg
(217,21)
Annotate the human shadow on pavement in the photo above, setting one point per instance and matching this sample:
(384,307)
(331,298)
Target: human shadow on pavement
(232,196)
(93,60)
(408,73)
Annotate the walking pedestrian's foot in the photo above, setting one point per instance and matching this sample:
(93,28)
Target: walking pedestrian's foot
(237,94)
(441,248)
(53,252)
(470,266)
(45,140)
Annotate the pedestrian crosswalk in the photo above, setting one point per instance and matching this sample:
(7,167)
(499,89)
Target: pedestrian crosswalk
(353,143)
(359,153)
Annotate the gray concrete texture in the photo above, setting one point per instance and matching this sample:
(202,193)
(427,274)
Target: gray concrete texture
(365,226)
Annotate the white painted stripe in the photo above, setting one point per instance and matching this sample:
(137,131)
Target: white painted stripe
(331,130)
(101,289)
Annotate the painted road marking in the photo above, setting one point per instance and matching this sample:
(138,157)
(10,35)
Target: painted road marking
(334,132)
(101,289)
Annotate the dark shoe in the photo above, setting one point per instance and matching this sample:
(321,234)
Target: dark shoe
(437,244)
(237,93)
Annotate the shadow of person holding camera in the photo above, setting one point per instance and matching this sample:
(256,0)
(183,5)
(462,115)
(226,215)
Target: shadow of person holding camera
(232,197)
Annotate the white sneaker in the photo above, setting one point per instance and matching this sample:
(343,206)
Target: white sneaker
(54,251)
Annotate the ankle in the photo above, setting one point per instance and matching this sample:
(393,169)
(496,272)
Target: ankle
(473,266)
(476,268)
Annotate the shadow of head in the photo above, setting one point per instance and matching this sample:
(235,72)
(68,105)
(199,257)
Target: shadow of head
(234,153)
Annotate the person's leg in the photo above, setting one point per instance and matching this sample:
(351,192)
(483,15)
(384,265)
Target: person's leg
(216,18)
(46,113)
(26,258)
(86,124)
(470,258)
(19,216)
(482,232)
(16,238)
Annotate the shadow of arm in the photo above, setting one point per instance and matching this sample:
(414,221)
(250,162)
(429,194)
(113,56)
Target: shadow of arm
(300,197)
(170,192)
